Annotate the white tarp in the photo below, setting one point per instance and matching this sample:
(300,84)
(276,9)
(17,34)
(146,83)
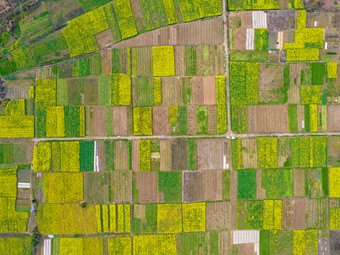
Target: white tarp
(259,19)
(250,39)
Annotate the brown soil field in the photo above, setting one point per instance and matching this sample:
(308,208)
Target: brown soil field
(317,213)
(212,119)
(203,90)
(147,185)
(106,61)
(240,39)
(135,155)
(29,151)
(121,120)
(246,18)
(160,120)
(121,155)
(299,182)
(179,61)
(246,249)
(197,84)
(333,118)
(179,154)
(201,32)
(218,216)
(99,120)
(249,154)
(260,192)
(210,154)
(166,155)
(233,213)
(267,118)
(104,38)
(270,83)
(213,185)
(193,186)
(192,119)
(294,213)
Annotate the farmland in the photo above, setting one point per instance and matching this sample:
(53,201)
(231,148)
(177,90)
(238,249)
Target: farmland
(170,127)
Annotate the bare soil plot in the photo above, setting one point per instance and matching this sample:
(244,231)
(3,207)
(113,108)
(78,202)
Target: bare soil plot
(99,120)
(135,155)
(218,216)
(166,155)
(179,61)
(246,19)
(212,119)
(294,213)
(192,119)
(160,120)
(299,182)
(179,154)
(104,38)
(121,155)
(333,118)
(246,249)
(260,192)
(240,39)
(249,153)
(193,186)
(213,185)
(267,118)
(147,185)
(201,32)
(106,61)
(281,20)
(210,154)
(203,90)
(270,83)
(122,120)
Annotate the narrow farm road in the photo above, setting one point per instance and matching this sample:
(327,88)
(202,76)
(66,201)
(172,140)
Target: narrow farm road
(226,68)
